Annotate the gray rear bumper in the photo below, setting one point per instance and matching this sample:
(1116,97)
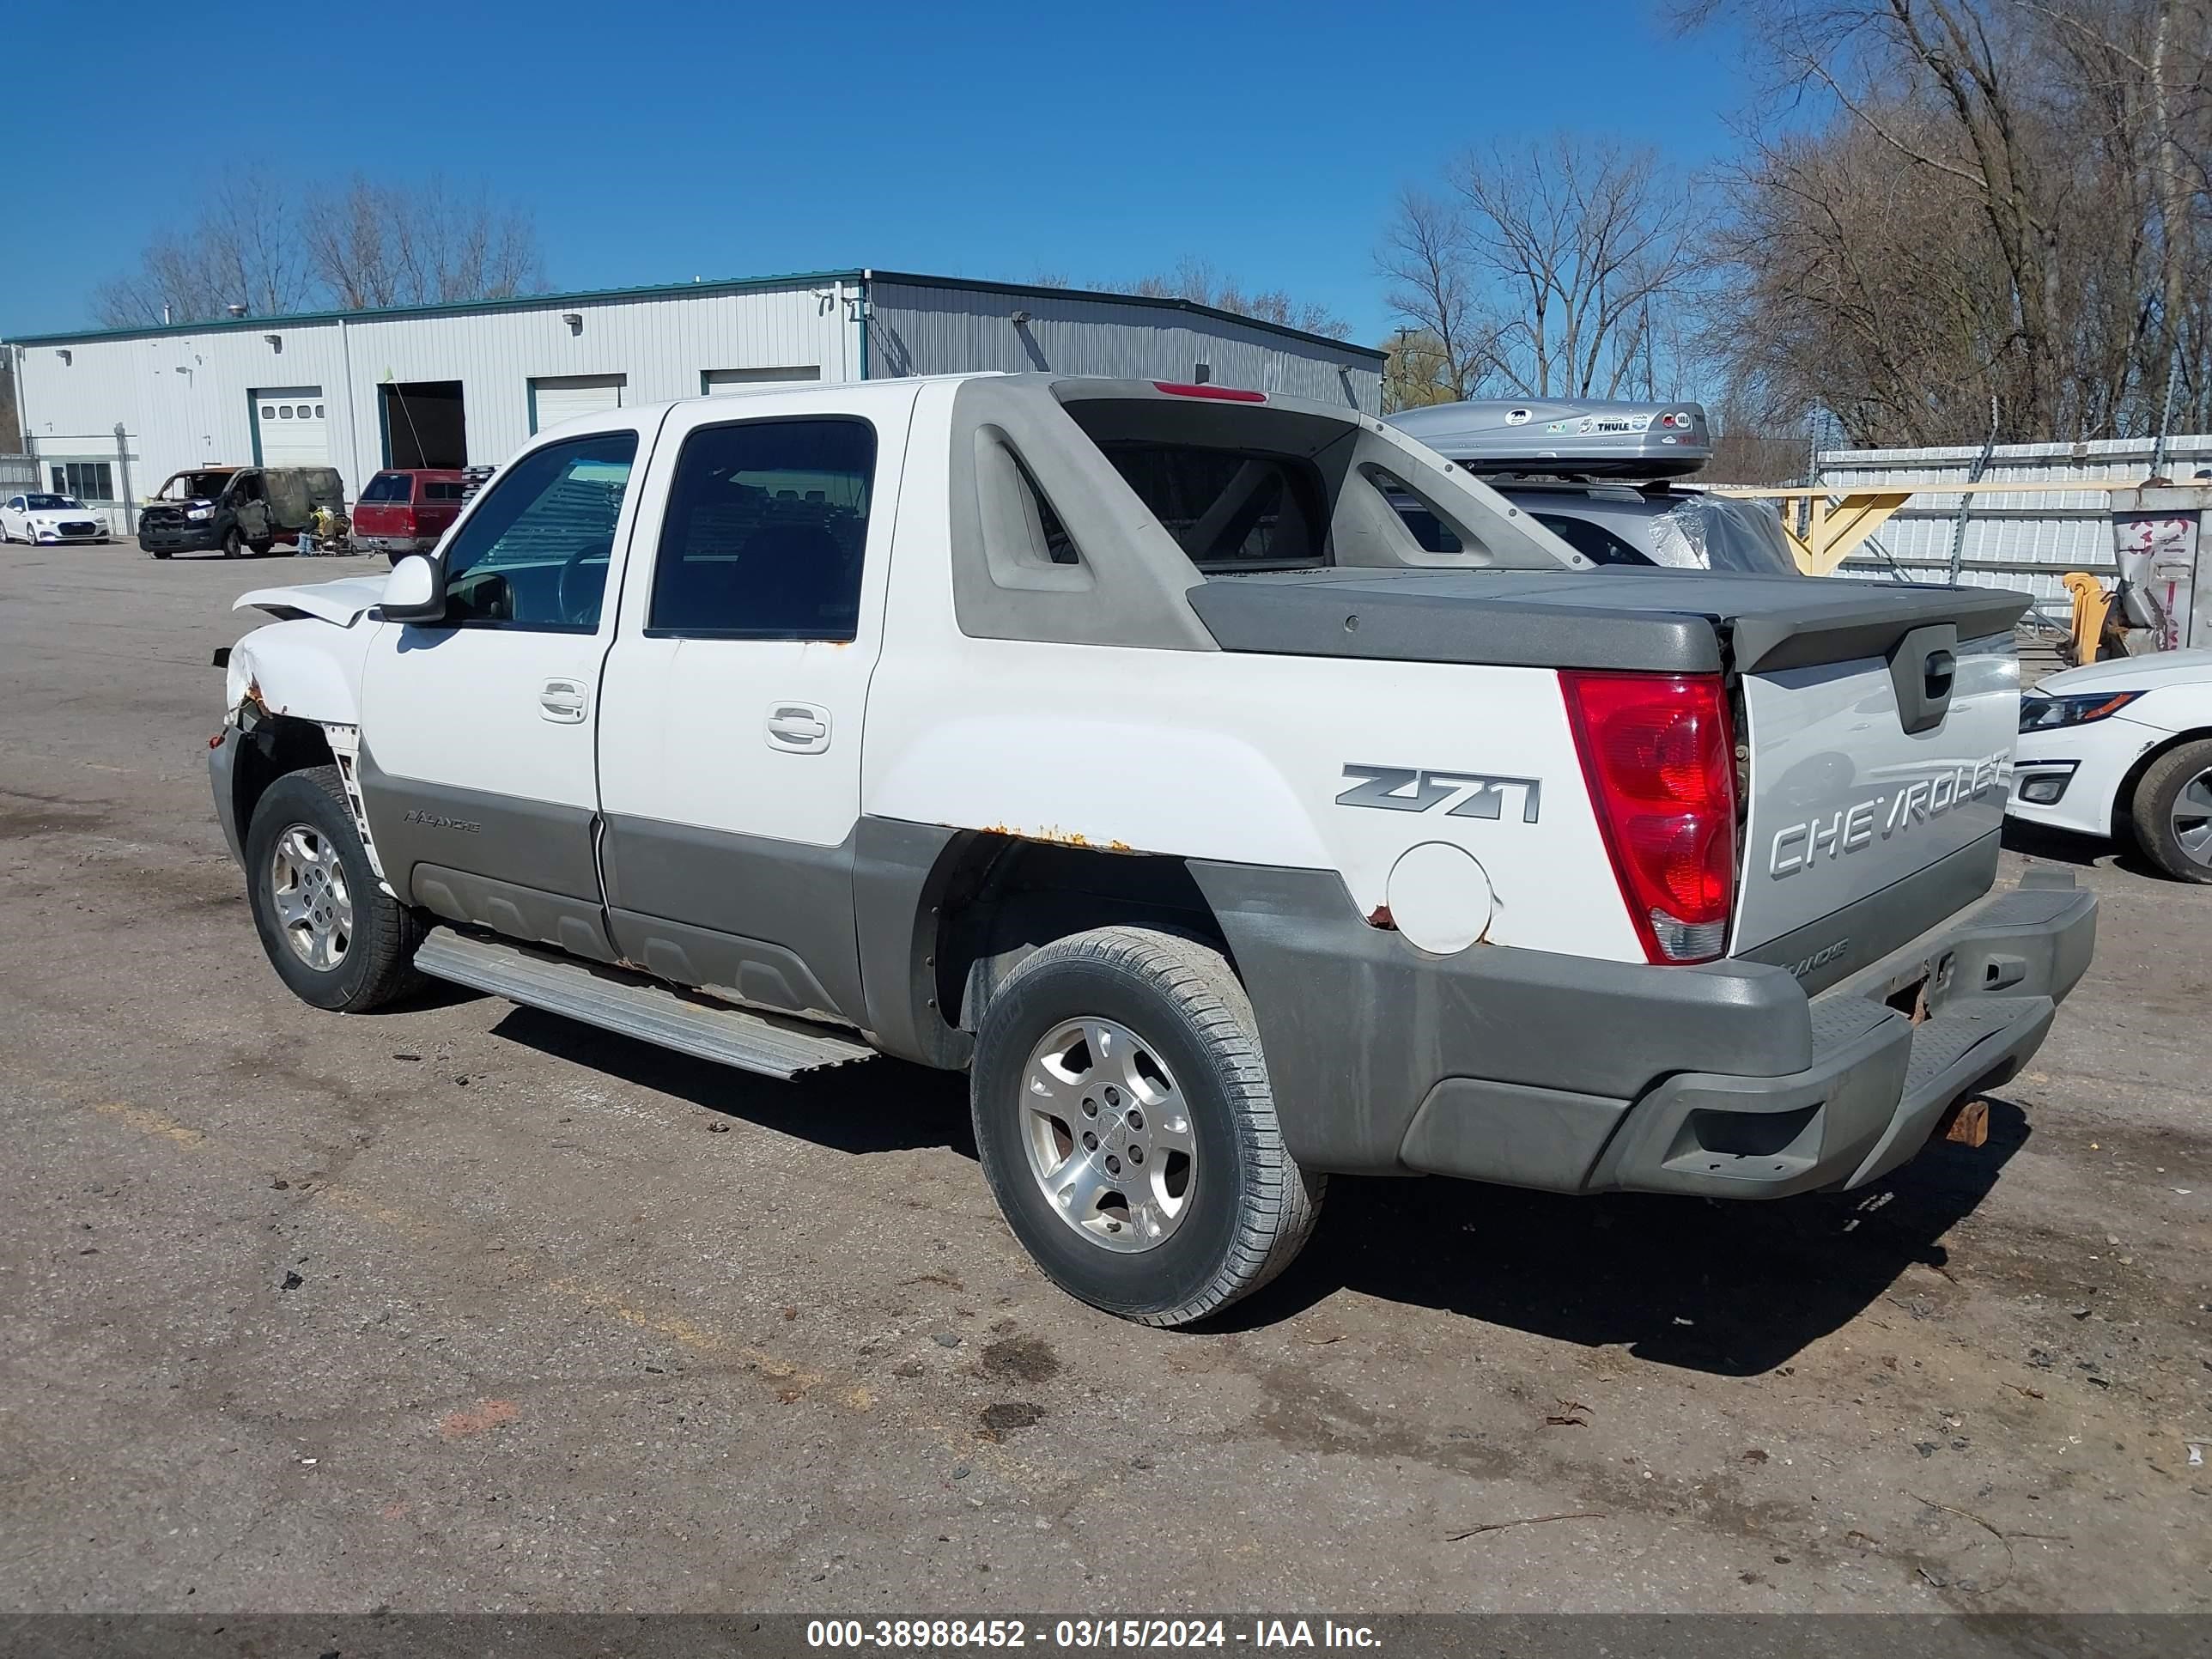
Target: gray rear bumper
(1578,1076)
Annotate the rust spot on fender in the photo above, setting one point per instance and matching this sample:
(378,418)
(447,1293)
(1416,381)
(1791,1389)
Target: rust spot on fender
(1379,916)
(1049,834)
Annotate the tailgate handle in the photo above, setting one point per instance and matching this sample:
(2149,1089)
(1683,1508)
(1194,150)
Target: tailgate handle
(1924,666)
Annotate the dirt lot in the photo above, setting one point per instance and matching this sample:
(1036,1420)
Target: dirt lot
(462,1306)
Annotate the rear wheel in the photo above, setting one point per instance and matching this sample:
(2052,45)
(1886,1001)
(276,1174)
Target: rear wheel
(330,930)
(1126,1125)
(2171,812)
(262,546)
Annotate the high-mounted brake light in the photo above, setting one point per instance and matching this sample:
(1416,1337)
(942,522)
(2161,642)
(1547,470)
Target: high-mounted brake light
(1226,394)
(1661,764)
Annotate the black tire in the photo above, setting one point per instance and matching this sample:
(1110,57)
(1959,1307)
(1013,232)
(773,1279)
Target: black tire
(2151,809)
(261,549)
(1251,1208)
(378,962)
(158,552)
(233,544)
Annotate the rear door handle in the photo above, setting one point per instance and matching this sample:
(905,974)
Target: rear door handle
(798,728)
(562,701)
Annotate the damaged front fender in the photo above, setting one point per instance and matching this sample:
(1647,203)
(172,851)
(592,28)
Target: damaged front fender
(305,670)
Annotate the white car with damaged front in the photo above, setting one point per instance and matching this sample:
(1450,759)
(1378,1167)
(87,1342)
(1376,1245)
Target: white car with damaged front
(38,517)
(2123,749)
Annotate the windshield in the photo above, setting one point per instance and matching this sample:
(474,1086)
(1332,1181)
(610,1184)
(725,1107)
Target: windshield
(50,503)
(193,486)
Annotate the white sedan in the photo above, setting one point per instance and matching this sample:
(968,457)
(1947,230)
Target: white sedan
(31,517)
(2124,747)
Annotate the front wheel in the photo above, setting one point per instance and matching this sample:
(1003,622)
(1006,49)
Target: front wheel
(2171,812)
(330,930)
(233,544)
(1125,1123)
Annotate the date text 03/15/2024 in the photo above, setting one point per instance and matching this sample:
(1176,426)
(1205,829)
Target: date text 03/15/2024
(913,1634)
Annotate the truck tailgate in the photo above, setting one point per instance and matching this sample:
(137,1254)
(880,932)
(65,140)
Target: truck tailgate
(1877,780)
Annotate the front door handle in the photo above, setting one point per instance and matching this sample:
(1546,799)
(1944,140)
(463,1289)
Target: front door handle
(562,701)
(798,728)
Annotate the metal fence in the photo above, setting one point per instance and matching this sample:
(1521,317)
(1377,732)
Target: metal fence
(2028,540)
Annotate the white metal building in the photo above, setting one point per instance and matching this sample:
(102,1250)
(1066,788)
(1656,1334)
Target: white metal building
(110,414)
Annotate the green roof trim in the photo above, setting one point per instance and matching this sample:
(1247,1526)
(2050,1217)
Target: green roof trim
(673,290)
(446,308)
(1164,301)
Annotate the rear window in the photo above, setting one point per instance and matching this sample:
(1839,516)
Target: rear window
(1593,541)
(1230,509)
(389,486)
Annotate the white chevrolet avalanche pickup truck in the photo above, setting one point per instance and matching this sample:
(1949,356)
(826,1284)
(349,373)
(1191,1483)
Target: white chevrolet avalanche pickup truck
(1117,743)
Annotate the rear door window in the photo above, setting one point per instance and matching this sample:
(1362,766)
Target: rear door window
(766,526)
(1230,509)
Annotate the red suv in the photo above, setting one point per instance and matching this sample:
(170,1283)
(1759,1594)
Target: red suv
(405,511)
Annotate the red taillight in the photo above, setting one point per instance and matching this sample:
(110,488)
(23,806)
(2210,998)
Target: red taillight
(1661,764)
(406,519)
(1227,394)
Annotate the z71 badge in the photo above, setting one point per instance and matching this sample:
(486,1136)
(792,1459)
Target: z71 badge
(1409,789)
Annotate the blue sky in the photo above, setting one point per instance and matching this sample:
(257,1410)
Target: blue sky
(1101,141)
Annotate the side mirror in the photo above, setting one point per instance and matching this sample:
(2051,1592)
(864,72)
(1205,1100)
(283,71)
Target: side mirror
(415,592)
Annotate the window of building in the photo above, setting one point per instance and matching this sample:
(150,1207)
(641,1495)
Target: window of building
(88,481)
(767,523)
(535,553)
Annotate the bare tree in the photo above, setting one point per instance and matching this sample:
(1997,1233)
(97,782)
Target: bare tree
(1417,371)
(243,249)
(11,418)
(1194,280)
(1433,290)
(2009,202)
(376,244)
(1555,268)
(1585,238)
(256,244)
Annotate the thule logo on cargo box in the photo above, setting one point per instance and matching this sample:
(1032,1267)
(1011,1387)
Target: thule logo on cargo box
(1851,828)
(1408,789)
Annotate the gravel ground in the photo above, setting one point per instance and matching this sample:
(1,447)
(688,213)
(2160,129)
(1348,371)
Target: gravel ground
(462,1306)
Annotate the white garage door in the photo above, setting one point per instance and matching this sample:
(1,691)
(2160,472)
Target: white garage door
(559,398)
(292,424)
(715,381)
